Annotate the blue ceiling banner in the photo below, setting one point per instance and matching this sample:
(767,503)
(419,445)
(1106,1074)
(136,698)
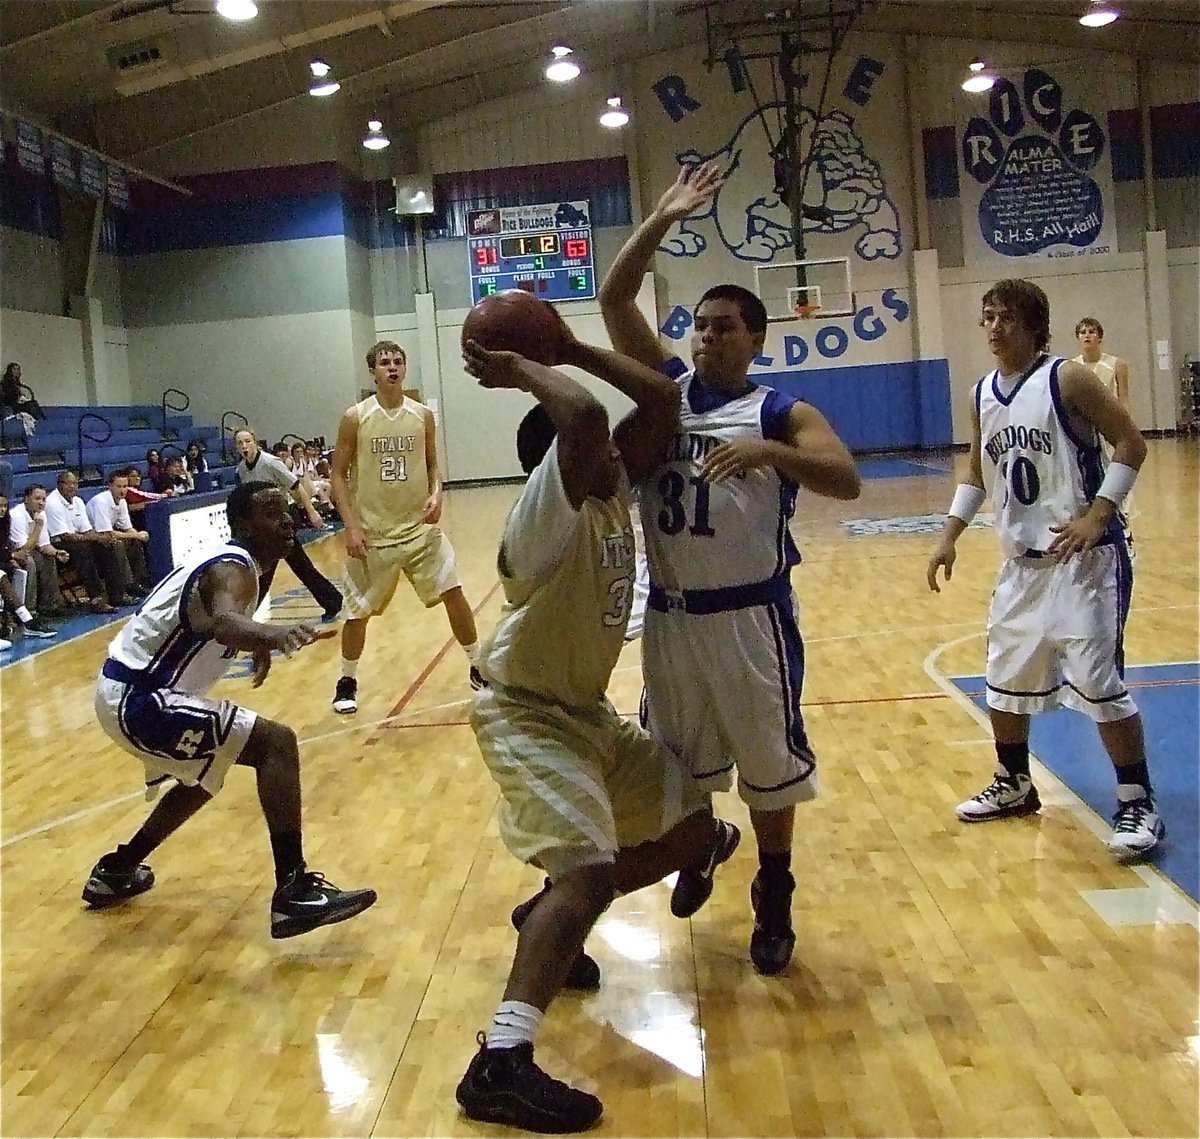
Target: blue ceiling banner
(91,174)
(62,163)
(30,155)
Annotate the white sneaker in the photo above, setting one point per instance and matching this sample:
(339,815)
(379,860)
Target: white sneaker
(1137,828)
(1007,795)
(5,645)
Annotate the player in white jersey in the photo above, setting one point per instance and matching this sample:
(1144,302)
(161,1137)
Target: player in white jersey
(1057,618)
(588,797)
(722,653)
(150,699)
(388,489)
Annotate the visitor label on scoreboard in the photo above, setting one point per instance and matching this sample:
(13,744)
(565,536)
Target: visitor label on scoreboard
(545,249)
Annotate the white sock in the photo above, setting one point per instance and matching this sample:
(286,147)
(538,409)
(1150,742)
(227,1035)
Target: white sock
(23,615)
(514,1023)
(472,651)
(349,667)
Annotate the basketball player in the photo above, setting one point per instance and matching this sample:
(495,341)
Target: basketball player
(150,700)
(721,652)
(1057,618)
(388,489)
(588,797)
(1112,371)
(256,464)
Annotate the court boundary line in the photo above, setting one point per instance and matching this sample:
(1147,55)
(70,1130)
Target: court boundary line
(1061,794)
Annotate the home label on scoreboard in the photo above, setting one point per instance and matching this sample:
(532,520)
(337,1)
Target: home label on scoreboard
(544,249)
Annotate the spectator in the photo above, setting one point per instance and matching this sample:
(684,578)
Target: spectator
(109,514)
(92,555)
(12,585)
(13,401)
(33,552)
(194,459)
(153,465)
(135,497)
(173,477)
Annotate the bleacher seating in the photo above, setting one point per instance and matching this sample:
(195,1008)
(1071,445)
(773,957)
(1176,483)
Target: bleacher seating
(135,429)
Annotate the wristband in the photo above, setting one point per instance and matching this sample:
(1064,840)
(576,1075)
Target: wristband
(968,498)
(1118,482)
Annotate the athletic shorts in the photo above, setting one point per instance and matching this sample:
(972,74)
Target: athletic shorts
(175,734)
(723,692)
(577,784)
(1056,635)
(426,559)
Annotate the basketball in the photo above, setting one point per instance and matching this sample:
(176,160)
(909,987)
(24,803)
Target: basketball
(515,321)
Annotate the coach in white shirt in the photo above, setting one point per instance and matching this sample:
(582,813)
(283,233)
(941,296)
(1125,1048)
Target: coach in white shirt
(92,554)
(33,552)
(108,513)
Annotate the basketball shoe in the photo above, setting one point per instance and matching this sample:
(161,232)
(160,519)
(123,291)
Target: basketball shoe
(694,886)
(345,695)
(476,678)
(1005,796)
(773,939)
(584,974)
(504,1085)
(308,900)
(1137,827)
(110,883)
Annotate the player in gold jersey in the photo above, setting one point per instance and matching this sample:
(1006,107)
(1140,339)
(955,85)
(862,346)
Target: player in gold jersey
(588,796)
(388,489)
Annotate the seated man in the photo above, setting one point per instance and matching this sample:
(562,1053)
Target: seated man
(92,555)
(150,699)
(108,514)
(12,587)
(33,552)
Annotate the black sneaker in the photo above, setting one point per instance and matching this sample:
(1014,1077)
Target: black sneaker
(109,884)
(694,886)
(345,696)
(39,627)
(307,900)
(772,941)
(504,1085)
(476,678)
(584,974)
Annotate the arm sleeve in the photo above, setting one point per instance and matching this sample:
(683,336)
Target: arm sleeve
(57,520)
(99,514)
(541,523)
(775,411)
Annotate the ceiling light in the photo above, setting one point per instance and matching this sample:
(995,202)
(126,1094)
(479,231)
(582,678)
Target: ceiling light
(561,69)
(237,9)
(1098,15)
(615,116)
(323,83)
(979,80)
(375,139)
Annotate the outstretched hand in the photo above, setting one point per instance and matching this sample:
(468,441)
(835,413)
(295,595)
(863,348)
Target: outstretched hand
(495,369)
(694,186)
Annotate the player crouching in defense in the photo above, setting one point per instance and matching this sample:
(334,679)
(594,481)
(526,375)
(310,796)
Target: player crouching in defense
(588,796)
(150,700)
(1057,620)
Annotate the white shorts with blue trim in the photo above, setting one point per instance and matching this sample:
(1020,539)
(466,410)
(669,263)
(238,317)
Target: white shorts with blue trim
(1056,635)
(723,691)
(175,734)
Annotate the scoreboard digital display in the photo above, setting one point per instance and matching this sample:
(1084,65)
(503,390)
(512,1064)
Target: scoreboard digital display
(545,249)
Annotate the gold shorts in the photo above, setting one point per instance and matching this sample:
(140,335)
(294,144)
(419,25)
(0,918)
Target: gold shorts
(426,559)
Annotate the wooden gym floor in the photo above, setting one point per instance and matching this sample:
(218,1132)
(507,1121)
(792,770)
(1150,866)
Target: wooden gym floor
(947,981)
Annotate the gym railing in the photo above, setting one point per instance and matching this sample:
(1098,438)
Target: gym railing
(165,431)
(241,421)
(81,435)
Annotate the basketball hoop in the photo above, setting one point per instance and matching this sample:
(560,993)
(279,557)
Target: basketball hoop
(807,312)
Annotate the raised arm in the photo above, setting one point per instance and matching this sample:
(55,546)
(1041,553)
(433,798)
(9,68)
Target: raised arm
(627,328)
(579,418)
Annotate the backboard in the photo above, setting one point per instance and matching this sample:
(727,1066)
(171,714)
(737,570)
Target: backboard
(814,287)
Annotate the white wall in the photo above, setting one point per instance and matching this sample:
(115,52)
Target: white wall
(289,373)
(50,352)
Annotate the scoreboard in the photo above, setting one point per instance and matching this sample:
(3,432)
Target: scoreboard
(545,249)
